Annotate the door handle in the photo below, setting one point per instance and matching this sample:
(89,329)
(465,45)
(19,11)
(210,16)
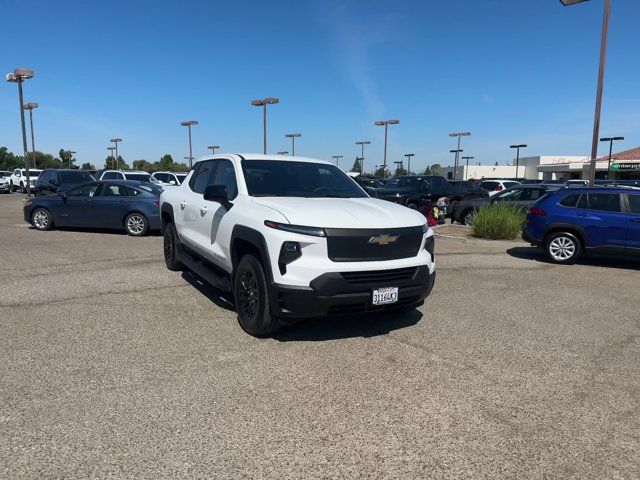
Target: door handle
(182,205)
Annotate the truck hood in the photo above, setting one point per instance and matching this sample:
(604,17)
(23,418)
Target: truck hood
(342,212)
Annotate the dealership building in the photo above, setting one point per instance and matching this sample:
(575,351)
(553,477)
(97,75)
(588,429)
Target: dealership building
(624,166)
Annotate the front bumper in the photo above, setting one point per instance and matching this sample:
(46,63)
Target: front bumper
(4,187)
(333,294)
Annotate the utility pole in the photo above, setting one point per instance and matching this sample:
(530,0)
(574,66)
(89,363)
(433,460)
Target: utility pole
(293,137)
(610,140)
(116,140)
(409,155)
(337,159)
(386,124)
(19,75)
(30,106)
(362,144)
(518,147)
(263,103)
(457,134)
(188,124)
(466,170)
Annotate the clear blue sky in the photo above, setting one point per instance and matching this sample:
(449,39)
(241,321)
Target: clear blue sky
(507,70)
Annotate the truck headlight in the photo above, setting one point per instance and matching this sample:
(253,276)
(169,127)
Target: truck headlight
(289,252)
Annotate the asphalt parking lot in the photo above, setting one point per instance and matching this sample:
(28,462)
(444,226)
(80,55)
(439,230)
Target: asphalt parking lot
(114,366)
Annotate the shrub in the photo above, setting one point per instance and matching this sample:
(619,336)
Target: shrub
(499,222)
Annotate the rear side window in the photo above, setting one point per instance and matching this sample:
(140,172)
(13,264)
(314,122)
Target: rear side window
(634,203)
(112,176)
(606,202)
(570,200)
(489,185)
(201,178)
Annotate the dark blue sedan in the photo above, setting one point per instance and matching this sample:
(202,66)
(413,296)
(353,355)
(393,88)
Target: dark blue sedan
(129,205)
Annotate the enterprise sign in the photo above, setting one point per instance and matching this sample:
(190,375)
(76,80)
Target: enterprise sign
(625,166)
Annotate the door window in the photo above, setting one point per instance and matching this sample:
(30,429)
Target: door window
(532,194)
(570,200)
(163,177)
(606,202)
(109,190)
(226,175)
(88,190)
(203,175)
(509,195)
(46,176)
(112,176)
(634,203)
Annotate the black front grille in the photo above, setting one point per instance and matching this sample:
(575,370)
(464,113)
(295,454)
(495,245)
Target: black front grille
(386,277)
(355,245)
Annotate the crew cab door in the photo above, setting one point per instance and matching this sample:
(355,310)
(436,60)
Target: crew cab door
(633,221)
(214,225)
(189,200)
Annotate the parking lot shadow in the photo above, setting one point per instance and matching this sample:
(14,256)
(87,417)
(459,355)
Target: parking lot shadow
(112,231)
(347,326)
(595,260)
(220,298)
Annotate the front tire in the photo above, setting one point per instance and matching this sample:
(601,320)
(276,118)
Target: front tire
(41,219)
(467,217)
(252,298)
(171,248)
(563,248)
(22,188)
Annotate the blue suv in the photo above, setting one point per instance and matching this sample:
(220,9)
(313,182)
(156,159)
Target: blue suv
(571,221)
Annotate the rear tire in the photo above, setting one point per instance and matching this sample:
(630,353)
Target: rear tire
(171,248)
(412,206)
(467,217)
(41,219)
(252,298)
(136,224)
(563,248)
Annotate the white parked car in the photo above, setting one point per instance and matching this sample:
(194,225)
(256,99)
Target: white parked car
(139,175)
(18,179)
(169,178)
(5,186)
(495,186)
(293,238)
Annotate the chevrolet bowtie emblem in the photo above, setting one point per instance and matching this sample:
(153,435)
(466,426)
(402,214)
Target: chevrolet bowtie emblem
(383,239)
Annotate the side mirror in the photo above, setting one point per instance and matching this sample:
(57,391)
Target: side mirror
(218,193)
(172,182)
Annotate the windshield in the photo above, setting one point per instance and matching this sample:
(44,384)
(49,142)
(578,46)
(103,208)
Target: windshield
(403,182)
(140,177)
(75,177)
(32,173)
(278,178)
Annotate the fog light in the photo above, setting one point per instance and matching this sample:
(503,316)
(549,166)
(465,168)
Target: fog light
(289,252)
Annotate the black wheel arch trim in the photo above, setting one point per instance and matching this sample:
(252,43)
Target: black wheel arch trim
(255,238)
(168,209)
(569,227)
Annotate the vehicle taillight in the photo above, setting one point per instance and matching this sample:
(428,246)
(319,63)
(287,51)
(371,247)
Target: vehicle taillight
(536,211)
(157,203)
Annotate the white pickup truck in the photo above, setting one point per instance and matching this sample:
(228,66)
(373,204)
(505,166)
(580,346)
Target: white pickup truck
(295,238)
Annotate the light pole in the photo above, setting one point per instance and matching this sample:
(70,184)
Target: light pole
(263,103)
(466,173)
(30,106)
(113,159)
(458,134)
(284,152)
(116,140)
(603,60)
(293,137)
(409,155)
(518,147)
(386,123)
(455,161)
(362,144)
(610,140)
(399,165)
(188,124)
(213,148)
(337,159)
(18,76)
(71,153)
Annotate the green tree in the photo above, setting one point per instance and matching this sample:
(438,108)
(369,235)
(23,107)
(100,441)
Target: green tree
(66,158)
(427,170)
(46,160)
(381,172)
(87,166)
(9,160)
(143,165)
(436,169)
(108,162)
(122,165)
(400,171)
(356,165)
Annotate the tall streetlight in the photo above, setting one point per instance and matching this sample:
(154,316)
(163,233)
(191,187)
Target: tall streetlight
(337,159)
(603,60)
(386,124)
(71,153)
(362,144)
(189,124)
(610,140)
(284,152)
(409,155)
(263,103)
(399,165)
(466,170)
(213,148)
(458,134)
(293,137)
(30,106)
(113,159)
(518,147)
(455,161)
(18,76)
(116,140)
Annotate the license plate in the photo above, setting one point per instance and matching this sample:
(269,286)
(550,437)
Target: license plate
(384,296)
